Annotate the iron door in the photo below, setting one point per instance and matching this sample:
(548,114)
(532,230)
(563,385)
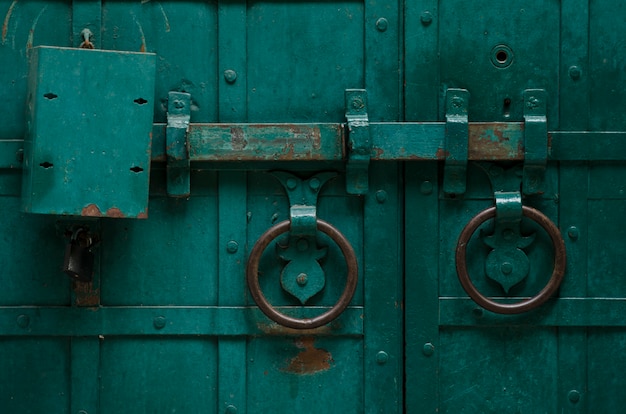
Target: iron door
(167,322)
(564,356)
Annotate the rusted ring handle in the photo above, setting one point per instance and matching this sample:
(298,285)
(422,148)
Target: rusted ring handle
(524,305)
(252,275)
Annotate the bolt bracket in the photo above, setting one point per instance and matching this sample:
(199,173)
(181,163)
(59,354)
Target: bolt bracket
(535,141)
(456,141)
(177,144)
(359,142)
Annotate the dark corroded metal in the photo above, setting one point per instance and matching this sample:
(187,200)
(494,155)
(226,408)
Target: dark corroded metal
(524,305)
(252,275)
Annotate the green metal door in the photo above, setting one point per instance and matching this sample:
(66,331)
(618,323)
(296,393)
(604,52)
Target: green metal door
(167,323)
(279,206)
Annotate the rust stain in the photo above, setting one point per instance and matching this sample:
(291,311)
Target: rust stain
(238,139)
(442,154)
(142,215)
(310,360)
(492,141)
(115,213)
(7,18)
(91,210)
(86,295)
(378,152)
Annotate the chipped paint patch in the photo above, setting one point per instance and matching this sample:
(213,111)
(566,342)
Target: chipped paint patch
(7,19)
(86,295)
(310,360)
(91,210)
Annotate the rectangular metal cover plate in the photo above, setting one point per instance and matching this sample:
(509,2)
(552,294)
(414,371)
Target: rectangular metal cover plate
(88,143)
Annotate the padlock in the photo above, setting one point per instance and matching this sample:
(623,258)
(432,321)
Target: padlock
(79,259)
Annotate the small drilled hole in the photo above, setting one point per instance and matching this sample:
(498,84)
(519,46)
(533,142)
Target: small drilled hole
(140,101)
(50,95)
(502,56)
(507,102)
(136,169)
(46,165)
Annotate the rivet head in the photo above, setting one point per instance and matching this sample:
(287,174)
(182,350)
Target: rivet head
(573,396)
(23,321)
(382,24)
(382,357)
(381,196)
(573,233)
(230,76)
(292,183)
(506,268)
(159,322)
(232,246)
(426,188)
(231,409)
(428,349)
(302,279)
(575,72)
(358,103)
(426,18)
(314,184)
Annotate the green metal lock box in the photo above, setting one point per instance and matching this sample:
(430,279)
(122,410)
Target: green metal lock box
(87,144)
(354,206)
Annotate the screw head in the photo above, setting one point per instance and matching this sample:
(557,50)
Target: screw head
(426,188)
(232,246)
(358,103)
(381,196)
(428,349)
(302,279)
(292,183)
(382,24)
(426,18)
(382,357)
(230,75)
(23,321)
(314,184)
(575,72)
(159,322)
(573,233)
(573,396)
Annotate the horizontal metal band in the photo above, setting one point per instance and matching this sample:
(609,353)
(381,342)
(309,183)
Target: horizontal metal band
(159,320)
(572,312)
(391,141)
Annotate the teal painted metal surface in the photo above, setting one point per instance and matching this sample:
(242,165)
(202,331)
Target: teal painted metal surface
(168,322)
(87,144)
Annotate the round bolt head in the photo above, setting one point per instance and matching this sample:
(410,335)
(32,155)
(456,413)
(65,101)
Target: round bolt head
(382,24)
(426,188)
(426,18)
(232,246)
(575,72)
(230,76)
(292,183)
(302,279)
(23,321)
(428,349)
(231,409)
(159,322)
(506,268)
(382,357)
(573,233)
(381,196)
(314,184)
(573,396)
